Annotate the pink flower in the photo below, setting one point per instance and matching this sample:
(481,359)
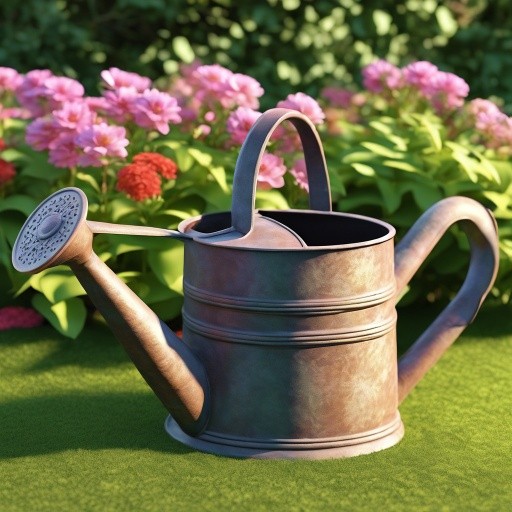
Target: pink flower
(64,151)
(304,104)
(32,93)
(209,116)
(156,110)
(381,75)
(419,74)
(217,85)
(14,113)
(19,317)
(42,133)
(300,173)
(496,127)
(120,103)
(60,89)
(74,116)
(114,78)
(447,91)
(213,78)
(96,103)
(100,141)
(480,106)
(338,97)
(239,123)
(243,91)
(271,172)
(10,79)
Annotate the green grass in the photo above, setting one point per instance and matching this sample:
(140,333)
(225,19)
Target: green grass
(79,430)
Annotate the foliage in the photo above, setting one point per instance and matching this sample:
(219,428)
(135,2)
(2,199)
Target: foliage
(286,44)
(402,145)
(155,157)
(120,150)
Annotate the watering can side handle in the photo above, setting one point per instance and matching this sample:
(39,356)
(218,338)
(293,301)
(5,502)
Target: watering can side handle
(249,159)
(481,230)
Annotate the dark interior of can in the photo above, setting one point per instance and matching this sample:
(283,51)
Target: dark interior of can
(316,229)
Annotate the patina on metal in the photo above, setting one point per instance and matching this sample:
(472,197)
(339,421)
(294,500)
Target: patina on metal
(289,319)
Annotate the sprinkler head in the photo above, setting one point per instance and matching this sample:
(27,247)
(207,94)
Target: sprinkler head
(56,232)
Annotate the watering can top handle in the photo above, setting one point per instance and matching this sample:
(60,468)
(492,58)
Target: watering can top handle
(249,159)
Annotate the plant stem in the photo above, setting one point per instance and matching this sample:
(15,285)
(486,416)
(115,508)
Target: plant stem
(72,176)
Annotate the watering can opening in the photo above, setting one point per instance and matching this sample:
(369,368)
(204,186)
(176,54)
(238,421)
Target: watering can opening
(308,229)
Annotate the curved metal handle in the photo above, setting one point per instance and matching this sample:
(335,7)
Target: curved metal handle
(480,227)
(248,163)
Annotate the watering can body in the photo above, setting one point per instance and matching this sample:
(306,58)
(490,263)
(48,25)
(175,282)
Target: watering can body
(299,344)
(289,319)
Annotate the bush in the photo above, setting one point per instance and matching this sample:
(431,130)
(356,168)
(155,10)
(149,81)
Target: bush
(286,45)
(152,157)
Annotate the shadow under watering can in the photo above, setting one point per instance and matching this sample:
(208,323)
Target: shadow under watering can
(289,339)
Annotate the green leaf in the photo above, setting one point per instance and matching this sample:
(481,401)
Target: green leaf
(202,158)
(121,207)
(168,309)
(364,169)
(425,196)
(215,197)
(219,174)
(434,133)
(391,194)
(467,164)
(403,166)
(183,159)
(59,284)
(357,157)
(11,155)
(11,225)
(182,49)
(67,317)
(266,199)
(179,214)
(502,202)
(167,265)
(152,290)
(20,203)
(447,23)
(87,178)
(381,150)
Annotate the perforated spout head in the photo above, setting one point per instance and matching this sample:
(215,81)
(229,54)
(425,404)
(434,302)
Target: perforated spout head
(56,232)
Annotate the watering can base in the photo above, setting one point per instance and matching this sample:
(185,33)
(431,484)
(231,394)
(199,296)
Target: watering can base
(348,446)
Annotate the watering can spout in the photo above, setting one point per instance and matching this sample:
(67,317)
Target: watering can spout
(166,363)
(58,233)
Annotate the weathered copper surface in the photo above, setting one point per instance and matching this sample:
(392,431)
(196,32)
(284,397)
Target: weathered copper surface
(289,342)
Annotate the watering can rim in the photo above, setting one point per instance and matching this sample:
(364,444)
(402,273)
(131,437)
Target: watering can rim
(186,229)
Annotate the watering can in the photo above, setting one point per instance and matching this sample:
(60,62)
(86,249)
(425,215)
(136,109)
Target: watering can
(289,340)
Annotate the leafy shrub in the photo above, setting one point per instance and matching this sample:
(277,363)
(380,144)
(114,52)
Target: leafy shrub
(153,157)
(286,45)
(408,141)
(140,157)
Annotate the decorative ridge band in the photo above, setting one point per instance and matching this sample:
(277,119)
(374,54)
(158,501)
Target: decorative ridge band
(305,443)
(298,306)
(287,339)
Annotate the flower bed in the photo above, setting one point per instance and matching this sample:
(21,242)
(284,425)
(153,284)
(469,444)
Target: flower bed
(157,153)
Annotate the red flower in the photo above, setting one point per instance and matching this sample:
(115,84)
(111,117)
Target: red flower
(3,145)
(139,181)
(7,171)
(162,165)
(19,317)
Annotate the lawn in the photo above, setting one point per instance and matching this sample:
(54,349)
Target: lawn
(79,430)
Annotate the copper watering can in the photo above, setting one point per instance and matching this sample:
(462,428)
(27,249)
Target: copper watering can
(289,341)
